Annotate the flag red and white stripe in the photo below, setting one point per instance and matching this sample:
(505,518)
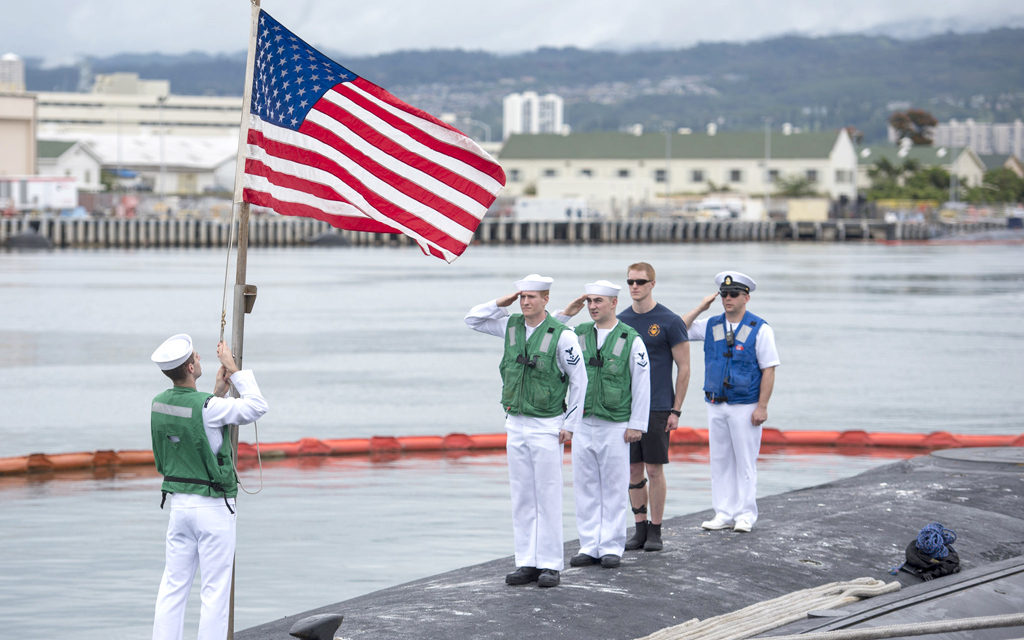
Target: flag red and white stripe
(351,154)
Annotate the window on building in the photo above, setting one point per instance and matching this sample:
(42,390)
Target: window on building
(843,176)
(514,175)
(550,173)
(623,173)
(736,175)
(88,176)
(697,175)
(773,175)
(660,175)
(586,173)
(812,175)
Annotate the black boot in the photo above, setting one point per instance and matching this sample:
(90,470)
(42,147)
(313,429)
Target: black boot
(639,537)
(653,542)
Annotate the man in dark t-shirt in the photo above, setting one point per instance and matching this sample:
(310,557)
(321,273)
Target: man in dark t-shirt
(664,335)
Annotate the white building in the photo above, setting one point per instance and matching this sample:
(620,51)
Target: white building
(121,103)
(615,172)
(961,162)
(984,138)
(70,158)
(12,73)
(17,134)
(169,164)
(530,113)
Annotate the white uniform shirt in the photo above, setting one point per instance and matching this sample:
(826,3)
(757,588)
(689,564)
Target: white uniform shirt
(640,369)
(217,413)
(764,344)
(491,319)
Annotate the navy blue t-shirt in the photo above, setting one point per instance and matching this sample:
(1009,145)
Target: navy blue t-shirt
(661,330)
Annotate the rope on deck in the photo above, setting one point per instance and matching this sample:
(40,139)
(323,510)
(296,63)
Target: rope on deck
(914,628)
(762,616)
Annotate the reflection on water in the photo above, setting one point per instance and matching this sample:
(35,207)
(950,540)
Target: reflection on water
(89,548)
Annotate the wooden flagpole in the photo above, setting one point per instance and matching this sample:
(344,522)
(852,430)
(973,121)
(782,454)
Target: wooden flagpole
(244,294)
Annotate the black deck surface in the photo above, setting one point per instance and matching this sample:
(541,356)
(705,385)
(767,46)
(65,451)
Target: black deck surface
(852,528)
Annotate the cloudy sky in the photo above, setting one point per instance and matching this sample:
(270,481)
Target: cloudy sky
(60,30)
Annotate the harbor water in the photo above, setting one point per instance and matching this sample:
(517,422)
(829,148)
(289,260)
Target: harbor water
(370,341)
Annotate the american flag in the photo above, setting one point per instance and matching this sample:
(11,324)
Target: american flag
(327,144)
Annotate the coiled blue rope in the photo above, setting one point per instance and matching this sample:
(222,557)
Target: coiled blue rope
(935,539)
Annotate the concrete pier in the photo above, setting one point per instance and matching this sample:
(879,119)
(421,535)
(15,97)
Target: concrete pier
(278,231)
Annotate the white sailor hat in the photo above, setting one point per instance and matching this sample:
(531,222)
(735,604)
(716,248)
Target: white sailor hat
(735,281)
(534,282)
(602,288)
(173,352)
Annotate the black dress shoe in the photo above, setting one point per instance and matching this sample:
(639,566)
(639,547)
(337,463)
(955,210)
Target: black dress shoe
(548,578)
(610,561)
(523,575)
(582,560)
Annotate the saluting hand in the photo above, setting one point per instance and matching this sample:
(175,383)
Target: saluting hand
(705,304)
(507,300)
(575,306)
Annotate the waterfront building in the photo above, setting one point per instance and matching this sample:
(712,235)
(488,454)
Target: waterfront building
(963,163)
(528,112)
(999,161)
(70,158)
(616,172)
(122,103)
(984,138)
(17,134)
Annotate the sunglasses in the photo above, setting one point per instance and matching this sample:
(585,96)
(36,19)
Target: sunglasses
(730,294)
(639,282)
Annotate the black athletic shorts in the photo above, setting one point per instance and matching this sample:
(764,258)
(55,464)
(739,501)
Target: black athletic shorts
(653,446)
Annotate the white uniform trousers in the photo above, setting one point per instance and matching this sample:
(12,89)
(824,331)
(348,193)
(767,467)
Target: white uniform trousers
(734,444)
(200,534)
(600,474)
(535,479)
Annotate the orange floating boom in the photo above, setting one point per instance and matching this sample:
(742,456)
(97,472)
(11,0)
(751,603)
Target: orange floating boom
(391,445)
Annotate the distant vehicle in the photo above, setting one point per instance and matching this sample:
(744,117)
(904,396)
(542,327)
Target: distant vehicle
(31,193)
(551,209)
(715,208)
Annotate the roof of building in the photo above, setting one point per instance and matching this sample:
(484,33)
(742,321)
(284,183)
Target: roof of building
(144,150)
(925,155)
(613,145)
(994,161)
(53,148)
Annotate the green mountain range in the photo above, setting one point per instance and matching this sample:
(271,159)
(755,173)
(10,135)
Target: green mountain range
(812,83)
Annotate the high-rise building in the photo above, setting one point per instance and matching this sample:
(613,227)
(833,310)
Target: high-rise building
(984,138)
(12,73)
(528,112)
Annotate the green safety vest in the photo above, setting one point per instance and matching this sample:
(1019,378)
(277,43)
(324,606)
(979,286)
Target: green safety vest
(609,378)
(182,451)
(532,383)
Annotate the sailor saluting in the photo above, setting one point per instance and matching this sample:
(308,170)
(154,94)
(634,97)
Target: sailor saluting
(541,363)
(200,484)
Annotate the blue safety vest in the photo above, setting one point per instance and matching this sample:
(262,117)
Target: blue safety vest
(731,371)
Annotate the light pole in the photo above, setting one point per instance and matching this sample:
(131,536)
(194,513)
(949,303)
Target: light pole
(767,172)
(160,119)
(486,127)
